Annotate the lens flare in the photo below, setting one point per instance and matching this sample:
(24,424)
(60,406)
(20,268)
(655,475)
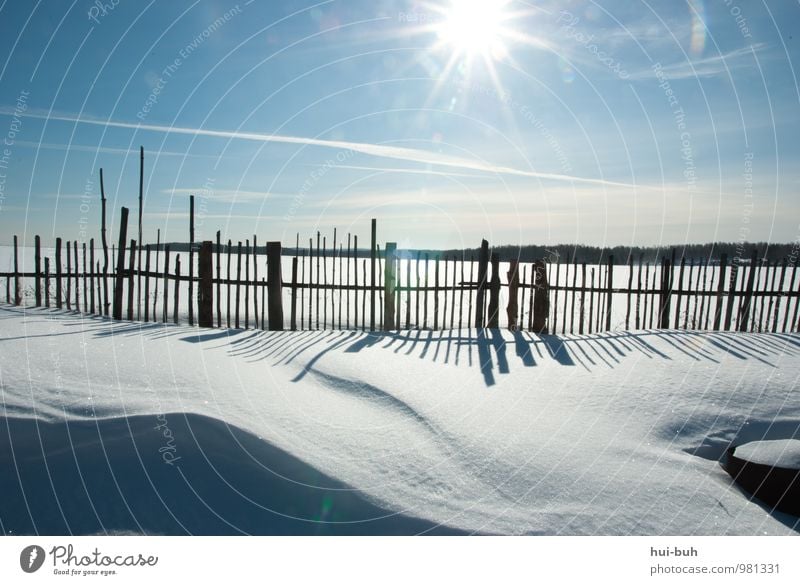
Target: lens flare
(698,12)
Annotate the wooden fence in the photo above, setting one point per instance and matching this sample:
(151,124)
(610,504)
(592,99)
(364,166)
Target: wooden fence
(390,289)
(376,289)
(746,296)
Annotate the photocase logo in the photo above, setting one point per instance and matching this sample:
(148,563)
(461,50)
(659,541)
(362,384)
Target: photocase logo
(31,558)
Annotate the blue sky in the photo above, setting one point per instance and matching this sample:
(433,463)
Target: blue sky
(558,122)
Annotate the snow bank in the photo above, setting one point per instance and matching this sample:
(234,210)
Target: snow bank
(783,453)
(494,432)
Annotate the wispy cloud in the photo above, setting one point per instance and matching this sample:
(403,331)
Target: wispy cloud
(227,195)
(412,198)
(376,150)
(182,215)
(647,33)
(403,170)
(720,64)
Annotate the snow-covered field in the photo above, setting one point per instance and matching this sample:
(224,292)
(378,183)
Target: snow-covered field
(126,427)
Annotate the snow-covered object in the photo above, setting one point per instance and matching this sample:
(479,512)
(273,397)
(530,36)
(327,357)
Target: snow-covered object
(770,471)
(783,453)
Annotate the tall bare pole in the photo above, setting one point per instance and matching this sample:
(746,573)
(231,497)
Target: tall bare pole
(373,255)
(105,245)
(191,260)
(141,246)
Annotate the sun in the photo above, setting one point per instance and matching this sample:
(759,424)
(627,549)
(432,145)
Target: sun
(474,40)
(475,28)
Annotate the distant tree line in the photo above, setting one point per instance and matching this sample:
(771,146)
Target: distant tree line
(709,252)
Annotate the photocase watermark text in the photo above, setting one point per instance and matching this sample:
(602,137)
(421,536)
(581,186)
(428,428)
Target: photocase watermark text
(169,450)
(528,115)
(739,18)
(101,9)
(568,21)
(679,115)
(419,17)
(183,54)
(312,179)
(6,149)
(85,207)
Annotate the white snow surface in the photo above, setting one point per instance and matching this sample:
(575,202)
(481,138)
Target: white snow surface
(778,453)
(512,433)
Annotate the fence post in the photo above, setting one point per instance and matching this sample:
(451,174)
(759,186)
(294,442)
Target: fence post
(641,318)
(77,277)
(512,309)
(47,282)
(389,285)
(494,293)
(436,293)
(630,290)
(146,284)
(293,321)
(582,297)
(139,254)
(165,307)
(781,293)
(219,280)
(274,284)
(480,297)
(731,293)
(38,270)
(679,295)
(373,257)
(120,275)
(609,290)
(17,296)
(105,245)
(723,266)
(744,317)
(247,284)
(238,282)
(177,301)
(92,274)
(58,273)
(68,278)
(191,260)
(255,281)
(541,303)
(205,288)
(666,290)
(131,281)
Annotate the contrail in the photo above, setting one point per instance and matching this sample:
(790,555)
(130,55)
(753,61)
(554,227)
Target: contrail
(412,171)
(376,150)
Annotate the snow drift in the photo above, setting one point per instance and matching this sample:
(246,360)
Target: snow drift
(99,476)
(414,432)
